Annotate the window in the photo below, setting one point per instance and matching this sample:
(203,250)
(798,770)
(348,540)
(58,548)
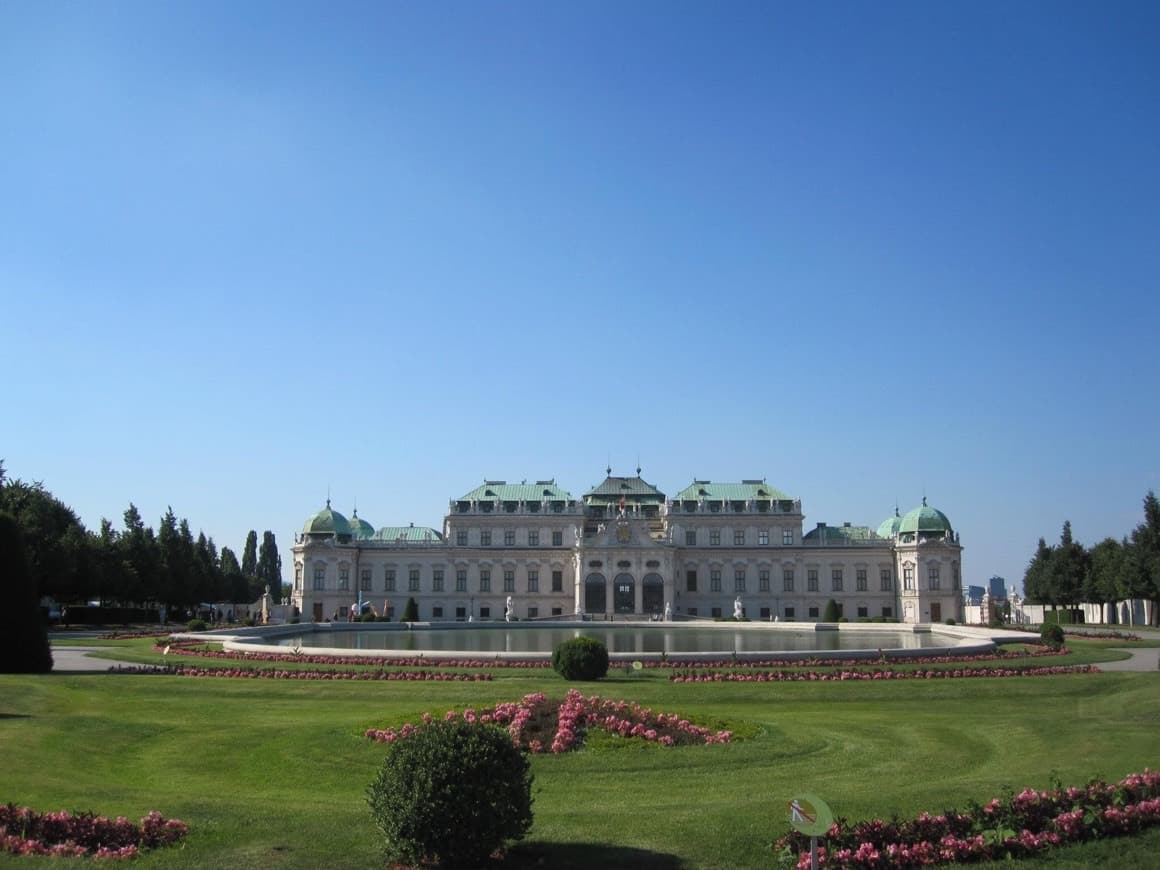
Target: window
(836,579)
(763,538)
(461,580)
(485,539)
(533,580)
(461,538)
(437,580)
(509,581)
(557,539)
(413,580)
(691,581)
(888,612)
(557,611)
(787,537)
(533,612)
(557,581)
(932,576)
(436,612)
(863,612)
(789,613)
(765,614)
(319,577)
(485,613)
(884,580)
(955,575)
(908,577)
(691,538)
(343,578)
(533,539)
(715,580)
(860,580)
(692,611)
(812,580)
(763,580)
(739,539)
(716,611)
(484,582)
(461,613)
(787,579)
(509,537)
(715,538)
(297,578)
(813,612)
(389,586)
(739,580)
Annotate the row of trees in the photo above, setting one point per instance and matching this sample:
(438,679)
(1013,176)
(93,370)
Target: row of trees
(133,565)
(1069,574)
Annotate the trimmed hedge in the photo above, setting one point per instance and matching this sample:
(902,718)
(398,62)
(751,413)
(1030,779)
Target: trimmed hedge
(581,658)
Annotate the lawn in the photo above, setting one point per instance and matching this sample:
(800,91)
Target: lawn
(272,773)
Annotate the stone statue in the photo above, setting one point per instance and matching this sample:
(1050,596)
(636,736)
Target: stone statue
(737,608)
(668,612)
(508,610)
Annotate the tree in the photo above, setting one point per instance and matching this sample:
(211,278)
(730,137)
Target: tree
(54,538)
(833,612)
(1037,579)
(411,611)
(23,636)
(1145,555)
(1069,569)
(1105,579)
(250,555)
(269,571)
(237,587)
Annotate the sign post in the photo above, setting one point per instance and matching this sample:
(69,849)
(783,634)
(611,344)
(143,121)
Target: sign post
(809,814)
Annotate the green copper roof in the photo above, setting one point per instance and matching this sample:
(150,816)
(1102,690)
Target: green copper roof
(925,519)
(500,490)
(407,535)
(890,525)
(748,489)
(838,534)
(327,522)
(359,527)
(632,489)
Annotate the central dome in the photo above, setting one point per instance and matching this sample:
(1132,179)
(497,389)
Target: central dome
(327,522)
(925,520)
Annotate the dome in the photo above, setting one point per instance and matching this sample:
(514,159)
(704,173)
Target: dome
(925,521)
(359,527)
(327,522)
(889,527)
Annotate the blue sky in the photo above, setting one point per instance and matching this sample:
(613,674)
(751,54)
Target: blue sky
(254,252)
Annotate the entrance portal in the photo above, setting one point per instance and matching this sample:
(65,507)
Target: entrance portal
(653,600)
(595,597)
(935,611)
(624,593)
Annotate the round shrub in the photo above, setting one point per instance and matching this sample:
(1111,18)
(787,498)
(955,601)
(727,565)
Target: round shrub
(581,658)
(1052,635)
(451,794)
(196,625)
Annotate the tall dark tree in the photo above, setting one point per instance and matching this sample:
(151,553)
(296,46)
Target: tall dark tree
(269,571)
(142,559)
(1037,579)
(1107,575)
(1069,567)
(23,634)
(250,555)
(54,539)
(236,585)
(1145,555)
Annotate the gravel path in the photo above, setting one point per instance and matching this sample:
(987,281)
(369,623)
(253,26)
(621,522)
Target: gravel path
(76,660)
(1141,660)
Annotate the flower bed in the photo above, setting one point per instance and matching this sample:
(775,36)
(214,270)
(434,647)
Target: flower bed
(1023,824)
(176,648)
(541,726)
(74,835)
(276,674)
(716,676)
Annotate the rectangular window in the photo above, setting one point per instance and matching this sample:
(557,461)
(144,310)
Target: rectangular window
(813,613)
(557,611)
(509,537)
(533,612)
(436,612)
(460,614)
(714,580)
(763,538)
(765,614)
(787,537)
(485,613)
(343,578)
(389,586)
(413,580)
(716,611)
(888,612)
(509,581)
(557,539)
(860,580)
(836,578)
(297,578)
(908,578)
(461,580)
(364,581)
(884,580)
(691,581)
(715,538)
(739,580)
(690,537)
(319,577)
(557,581)
(811,580)
(437,580)
(789,613)
(739,539)
(932,576)
(533,580)
(484,581)
(461,538)
(863,612)
(485,539)
(787,579)
(692,611)
(533,539)
(763,580)
(955,574)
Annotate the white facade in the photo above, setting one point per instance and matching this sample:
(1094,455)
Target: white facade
(626,551)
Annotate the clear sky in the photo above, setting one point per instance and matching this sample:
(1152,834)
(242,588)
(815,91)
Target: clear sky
(252,253)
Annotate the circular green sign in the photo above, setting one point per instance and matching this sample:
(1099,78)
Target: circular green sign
(809,814)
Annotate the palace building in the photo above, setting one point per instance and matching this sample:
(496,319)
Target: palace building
(625,550)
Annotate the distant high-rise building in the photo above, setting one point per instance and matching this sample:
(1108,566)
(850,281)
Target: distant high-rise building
(997,587)
(975,595)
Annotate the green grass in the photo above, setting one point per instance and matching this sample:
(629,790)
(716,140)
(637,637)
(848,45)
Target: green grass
(272,773)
